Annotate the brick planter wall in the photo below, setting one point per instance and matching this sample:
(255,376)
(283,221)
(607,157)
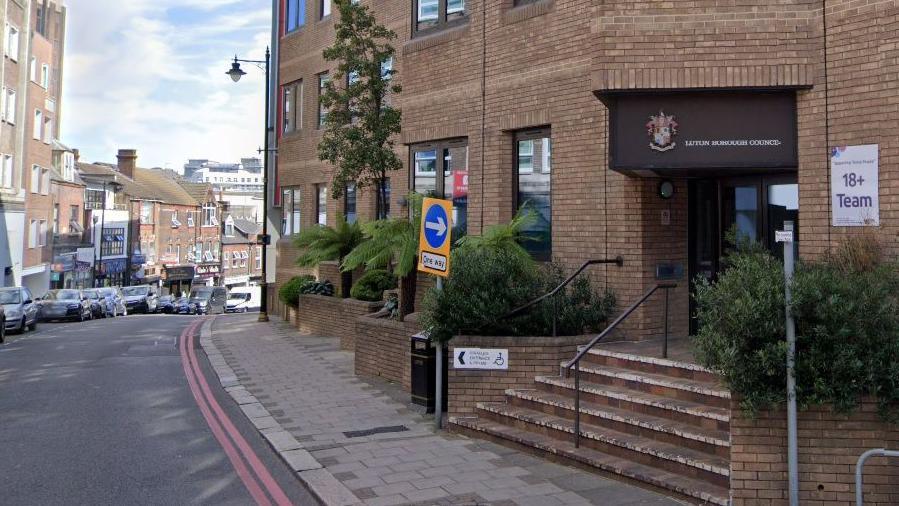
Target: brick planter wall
(382,348)
(332,316)
(528,357)
(829,446)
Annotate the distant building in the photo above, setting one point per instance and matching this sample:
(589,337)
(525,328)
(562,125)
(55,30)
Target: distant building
(241,252)
(253,165)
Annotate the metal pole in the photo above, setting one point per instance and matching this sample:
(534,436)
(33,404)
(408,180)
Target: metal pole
(665,342)
(859,468)
(102,226)
(792,433)
(438,395)
(577,404)
(555,313)
(263,285)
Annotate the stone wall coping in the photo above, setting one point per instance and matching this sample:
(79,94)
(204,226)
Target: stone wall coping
(338,300)
(388,322)
(519,341)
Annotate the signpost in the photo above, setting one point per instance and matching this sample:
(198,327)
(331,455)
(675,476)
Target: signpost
(786,237)
(481,358)
(434,240)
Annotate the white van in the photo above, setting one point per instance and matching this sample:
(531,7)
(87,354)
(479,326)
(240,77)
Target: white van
(243,298)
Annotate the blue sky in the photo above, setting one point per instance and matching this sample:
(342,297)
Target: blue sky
(150,75)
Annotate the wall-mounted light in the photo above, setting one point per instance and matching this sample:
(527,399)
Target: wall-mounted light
(666,189)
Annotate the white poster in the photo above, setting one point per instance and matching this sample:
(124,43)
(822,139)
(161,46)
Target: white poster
(854,196)
(480,358)
(85,255)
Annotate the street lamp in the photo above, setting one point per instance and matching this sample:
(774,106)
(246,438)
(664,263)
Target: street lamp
(236,73)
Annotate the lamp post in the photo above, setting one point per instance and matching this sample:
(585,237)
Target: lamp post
(236,73)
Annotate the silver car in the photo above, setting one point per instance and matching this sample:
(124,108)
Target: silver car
(20,311)
(116,293)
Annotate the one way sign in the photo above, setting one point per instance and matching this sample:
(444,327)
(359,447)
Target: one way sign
(435,239)
(480,358)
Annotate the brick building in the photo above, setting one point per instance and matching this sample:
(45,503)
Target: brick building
(68,224)
(241,252)
(208,230)
(583,109)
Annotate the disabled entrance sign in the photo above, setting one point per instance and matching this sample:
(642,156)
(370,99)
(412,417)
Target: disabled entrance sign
(435,238)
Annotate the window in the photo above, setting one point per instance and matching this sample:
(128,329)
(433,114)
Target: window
(258,257)
(290,221)
(322,112)
(243,258)
(42,234)
(12,42)
(48,130)
(45,76)
(178,254)
(235,259)
(382,201)
(190,219)
(387,69)
(6,171)
(295,14)
(45,181)
(32,234)
(93,199)
(55,219)
(8,107)
(324,8)
(113,242)
(321,204)
(33,70)
(74,222)
(175,222)
(209,219)
(433,15)
(453,164)
(293,106)
(38,126)
(229,228)
(35,179)
(533,188)
(146,213)
(349,203)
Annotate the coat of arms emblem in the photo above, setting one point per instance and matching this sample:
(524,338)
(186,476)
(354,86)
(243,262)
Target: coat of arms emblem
(661,130)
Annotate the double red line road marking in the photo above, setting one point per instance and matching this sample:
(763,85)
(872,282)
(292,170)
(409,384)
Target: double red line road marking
(255,476)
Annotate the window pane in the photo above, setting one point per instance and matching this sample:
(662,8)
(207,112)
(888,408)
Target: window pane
(322,205)
(455,187)
(534,194)
(427,10)
(426,172)
(382,200)
(455,6)
(349,203)
(326,7)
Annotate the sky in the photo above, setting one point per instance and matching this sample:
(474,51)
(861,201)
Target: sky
(150,75)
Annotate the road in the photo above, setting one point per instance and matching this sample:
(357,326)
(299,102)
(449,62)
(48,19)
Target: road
(102,412)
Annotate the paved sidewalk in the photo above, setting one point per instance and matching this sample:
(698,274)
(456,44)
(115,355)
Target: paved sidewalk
(306,387)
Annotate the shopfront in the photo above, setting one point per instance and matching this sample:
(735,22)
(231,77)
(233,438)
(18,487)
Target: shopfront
(178,279)
(733,153)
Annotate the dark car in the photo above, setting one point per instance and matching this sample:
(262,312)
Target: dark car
(20,311)
(210,299)
(166,304)
(65,305)
(140,299)
(184,306)
(97,303)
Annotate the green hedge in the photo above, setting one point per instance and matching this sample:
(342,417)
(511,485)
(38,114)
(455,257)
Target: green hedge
(289,293)
(372,284)
(847,326)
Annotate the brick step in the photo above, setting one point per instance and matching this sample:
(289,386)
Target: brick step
(701,392)
(693,413)
(674,368)
(668,457)
(711,441)
(695,491)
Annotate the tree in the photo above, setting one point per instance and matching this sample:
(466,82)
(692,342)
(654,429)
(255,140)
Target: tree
(322,243)
(360,121)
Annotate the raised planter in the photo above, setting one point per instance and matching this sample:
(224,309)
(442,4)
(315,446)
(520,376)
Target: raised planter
(332,316)
(528,357)
(383,349)
(829,446)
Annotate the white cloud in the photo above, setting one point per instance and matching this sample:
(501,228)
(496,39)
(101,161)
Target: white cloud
(150,75)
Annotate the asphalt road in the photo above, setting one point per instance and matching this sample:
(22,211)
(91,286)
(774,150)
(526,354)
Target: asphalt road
(101,413)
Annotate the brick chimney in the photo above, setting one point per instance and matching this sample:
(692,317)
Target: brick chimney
(77,154)
(127,162)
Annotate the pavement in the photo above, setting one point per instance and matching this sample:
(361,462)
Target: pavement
(101,412)
(357,441)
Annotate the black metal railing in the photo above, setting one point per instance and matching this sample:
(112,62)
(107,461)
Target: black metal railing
(576,361)
(619,261)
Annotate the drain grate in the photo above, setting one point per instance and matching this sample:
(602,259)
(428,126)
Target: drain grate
(376,430)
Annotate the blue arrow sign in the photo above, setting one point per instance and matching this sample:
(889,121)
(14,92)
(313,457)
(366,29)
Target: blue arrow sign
(436,229)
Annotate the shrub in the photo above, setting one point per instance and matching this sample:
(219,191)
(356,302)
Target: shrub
(488,283)
(289,293)
(847,330)
(324,288)
(372,284)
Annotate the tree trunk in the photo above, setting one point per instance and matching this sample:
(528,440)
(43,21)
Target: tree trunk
(407,294)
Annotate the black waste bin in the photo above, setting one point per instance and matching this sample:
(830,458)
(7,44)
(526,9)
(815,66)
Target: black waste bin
(424,381)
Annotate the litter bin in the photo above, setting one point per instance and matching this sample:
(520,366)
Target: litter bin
(424,381)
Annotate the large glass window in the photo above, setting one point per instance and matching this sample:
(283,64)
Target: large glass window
(322,112)
(321,204)
(295,14)
(113,241)
(533,156)
(292,99)
(382,200)
(451,159)
(290,202)
(324,8)
(349,203)
(433,15)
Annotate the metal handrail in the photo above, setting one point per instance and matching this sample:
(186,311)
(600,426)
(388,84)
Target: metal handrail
(860,465)
(576,361)
(619,260)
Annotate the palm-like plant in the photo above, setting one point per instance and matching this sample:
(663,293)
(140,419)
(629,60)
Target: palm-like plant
(506,237)
(323,243)
(391,244)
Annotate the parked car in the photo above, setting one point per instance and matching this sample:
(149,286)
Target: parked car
(166,304)
(20,311)
(65,305)
(211,299)
(184,306)
(118,300)
(242,299)
(140,299)
(97,302)
(2,327)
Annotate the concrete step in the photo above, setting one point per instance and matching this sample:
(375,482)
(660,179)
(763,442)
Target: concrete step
(694,413)
(711,441)
(693,490)
(703,392)
(668,367)
(649,452)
